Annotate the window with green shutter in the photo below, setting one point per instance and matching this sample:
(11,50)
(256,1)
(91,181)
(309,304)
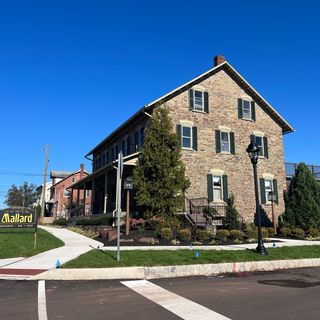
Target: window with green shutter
(246,109)
(187,136)
(217,187)
(198,100)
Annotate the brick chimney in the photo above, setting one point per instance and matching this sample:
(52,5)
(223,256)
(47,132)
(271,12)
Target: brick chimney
(81,170)
(218,60)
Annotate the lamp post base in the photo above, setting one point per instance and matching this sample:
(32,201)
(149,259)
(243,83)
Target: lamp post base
(261,249)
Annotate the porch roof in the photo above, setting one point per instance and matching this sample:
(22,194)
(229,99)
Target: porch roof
(130,160)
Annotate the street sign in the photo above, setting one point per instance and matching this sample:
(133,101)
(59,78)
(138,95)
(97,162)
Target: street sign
(17,218)
(128,184)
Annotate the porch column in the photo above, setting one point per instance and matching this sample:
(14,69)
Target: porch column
(78,196)
(105,193)
(92,195)
(84,199)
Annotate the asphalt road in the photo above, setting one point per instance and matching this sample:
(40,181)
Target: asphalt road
(292,294)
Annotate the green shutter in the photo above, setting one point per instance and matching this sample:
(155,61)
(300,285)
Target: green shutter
(240,110)
(194,138)
(190,99)
(262,191)
(275,189)
(218,142)
(265,147)
(232,144)
(206,102)
(253,111)
(179,134)
(210,187)
(252,138)
(225,188)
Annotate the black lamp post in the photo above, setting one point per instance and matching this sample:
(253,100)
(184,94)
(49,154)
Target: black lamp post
(253,151)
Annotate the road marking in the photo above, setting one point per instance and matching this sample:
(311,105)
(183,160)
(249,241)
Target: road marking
(42,305)
(182,307)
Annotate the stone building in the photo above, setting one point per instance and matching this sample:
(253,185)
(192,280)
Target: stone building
(215,116)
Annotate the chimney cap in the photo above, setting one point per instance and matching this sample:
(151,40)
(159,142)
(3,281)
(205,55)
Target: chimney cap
(218,60)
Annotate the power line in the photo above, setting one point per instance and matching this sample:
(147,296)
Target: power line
(14,173)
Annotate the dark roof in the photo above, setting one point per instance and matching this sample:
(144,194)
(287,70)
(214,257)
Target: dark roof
(60,174)
(286,127)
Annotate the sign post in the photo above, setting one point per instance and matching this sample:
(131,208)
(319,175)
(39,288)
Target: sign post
(128,185)
(273,198)
(119,179)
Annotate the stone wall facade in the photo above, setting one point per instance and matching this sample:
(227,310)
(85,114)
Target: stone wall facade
(223,94)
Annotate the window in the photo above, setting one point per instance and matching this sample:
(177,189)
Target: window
(66,193)
(268,187)
(198,100)
(114,152)
(128,146)
(73,179)
(136,141)
(259,143)
(124,148)
(217,188)
(246,109)
(225,145)
(186,137)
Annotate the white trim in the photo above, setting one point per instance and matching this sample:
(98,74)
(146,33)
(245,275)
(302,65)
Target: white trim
(42,304)
(198,88)
(259,133)
(191,136)
(216,172)
(268,176)
(225,129)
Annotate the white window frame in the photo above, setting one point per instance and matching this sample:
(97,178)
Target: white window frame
(194,100)
(243,113)
(265,188)
(182,136)
(228,135)
(66,193)
(220,189)
(261,153)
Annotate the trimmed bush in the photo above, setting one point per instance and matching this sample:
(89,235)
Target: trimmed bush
(236,235)
(252,232)
(285,232)
(166,233)
(298,233)
(185,235)
(87,233)
(60,222)
(264,232)
(203,235)
(95,221)
(313,232)
(222,235)
(171,222)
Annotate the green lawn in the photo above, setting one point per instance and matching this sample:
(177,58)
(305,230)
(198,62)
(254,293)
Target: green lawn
(104,259)
(20,242)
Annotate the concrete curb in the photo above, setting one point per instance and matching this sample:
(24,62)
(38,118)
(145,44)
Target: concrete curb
(173,271)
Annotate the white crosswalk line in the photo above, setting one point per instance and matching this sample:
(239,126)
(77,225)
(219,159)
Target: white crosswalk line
(182,307)
(42,305)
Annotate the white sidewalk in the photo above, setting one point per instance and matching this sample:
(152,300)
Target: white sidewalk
(75,245)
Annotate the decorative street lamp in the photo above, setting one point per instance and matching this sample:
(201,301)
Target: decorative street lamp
(253,152)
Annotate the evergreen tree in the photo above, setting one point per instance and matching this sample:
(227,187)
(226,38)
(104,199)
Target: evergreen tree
(232,216)
(302,200)
(160,174)
(23,196)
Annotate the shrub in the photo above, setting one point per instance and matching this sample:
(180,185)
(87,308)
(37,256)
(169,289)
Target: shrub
(203,235)
(236,235)
(285,232)
(231,220)
(171,222)
(252,232)
(222,235)
(87,233)
(271,231)
(175,242)
(185,235)
(264,232)
(60,222)
(298,233)
(166,233)
(95,221)
(210,211)
(313,232)
(137,223)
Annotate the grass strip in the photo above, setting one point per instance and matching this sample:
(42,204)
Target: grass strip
(20,242)
(107,259)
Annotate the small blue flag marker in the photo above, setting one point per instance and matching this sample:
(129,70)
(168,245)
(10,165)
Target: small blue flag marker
(197,254)
(190,248)
(58,264)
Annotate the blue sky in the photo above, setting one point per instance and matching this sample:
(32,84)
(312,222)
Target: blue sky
(72,71)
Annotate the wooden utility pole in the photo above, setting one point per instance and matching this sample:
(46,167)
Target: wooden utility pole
(43,202)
